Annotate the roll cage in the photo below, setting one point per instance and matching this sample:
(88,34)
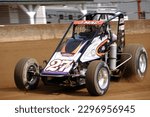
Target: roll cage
(100,21)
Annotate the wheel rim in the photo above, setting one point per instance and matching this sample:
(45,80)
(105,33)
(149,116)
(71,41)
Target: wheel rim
(142,63)
(103,77)
(31,78)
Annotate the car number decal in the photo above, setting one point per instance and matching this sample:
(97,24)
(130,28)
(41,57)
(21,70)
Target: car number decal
(58,65)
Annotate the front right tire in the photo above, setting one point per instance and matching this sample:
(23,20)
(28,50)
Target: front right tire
(26,74)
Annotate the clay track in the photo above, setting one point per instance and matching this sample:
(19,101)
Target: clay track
(10,53)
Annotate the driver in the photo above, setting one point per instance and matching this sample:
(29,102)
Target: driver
(89,32)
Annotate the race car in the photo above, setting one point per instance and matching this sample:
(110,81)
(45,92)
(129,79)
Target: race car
(90,54)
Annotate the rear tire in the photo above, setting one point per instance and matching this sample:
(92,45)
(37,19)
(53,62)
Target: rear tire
(25,74)
(97,78)
(135,69)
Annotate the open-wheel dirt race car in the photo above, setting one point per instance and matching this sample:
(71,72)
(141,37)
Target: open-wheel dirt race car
(92,54)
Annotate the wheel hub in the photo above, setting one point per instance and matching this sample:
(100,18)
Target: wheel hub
(103,78)
(31,78)
(142,63)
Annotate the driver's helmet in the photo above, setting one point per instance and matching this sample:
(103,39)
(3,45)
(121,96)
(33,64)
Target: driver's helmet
(88,28)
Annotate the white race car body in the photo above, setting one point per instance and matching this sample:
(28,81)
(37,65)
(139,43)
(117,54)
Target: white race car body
(62,62)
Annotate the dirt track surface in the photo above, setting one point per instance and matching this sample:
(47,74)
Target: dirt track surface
(10,53)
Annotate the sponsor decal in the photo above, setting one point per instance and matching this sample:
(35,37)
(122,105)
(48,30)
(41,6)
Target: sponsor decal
(88,22)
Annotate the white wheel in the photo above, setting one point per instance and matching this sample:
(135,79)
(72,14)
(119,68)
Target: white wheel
(142,63)
(103,77)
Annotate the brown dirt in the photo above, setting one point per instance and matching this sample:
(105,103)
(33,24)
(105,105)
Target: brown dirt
(10,53)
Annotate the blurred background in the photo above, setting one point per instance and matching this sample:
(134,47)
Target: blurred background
(64,11)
